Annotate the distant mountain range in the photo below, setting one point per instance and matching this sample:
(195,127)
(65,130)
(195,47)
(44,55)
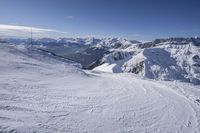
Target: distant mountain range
(162,59)
(78,41)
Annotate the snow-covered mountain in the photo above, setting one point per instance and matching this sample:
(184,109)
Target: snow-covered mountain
(162,59)
(43,92)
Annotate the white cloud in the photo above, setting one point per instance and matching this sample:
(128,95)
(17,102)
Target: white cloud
(69,17)
(24,32)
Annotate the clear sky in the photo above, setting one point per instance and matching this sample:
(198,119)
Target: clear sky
(132,19)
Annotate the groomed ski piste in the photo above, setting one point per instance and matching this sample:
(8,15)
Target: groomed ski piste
(41,93)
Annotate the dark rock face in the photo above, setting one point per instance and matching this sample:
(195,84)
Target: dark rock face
(196,41)
(146,45)
(137,68)
(196,58)
(120,55)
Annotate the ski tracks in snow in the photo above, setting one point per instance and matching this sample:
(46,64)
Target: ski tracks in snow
(159,108)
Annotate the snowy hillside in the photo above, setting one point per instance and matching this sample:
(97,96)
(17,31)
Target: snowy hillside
(40,92)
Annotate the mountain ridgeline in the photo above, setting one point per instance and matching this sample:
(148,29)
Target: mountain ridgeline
(162,59)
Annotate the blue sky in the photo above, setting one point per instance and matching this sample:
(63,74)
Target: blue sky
(132,19)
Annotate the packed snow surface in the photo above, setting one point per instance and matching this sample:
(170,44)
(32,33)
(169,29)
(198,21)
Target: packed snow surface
(40,93)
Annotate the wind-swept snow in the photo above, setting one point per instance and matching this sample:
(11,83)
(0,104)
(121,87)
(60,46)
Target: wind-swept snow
(40,93)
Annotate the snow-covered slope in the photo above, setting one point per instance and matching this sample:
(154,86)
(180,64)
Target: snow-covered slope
(43,93)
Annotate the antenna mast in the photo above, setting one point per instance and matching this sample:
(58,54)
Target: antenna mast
(31,37)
